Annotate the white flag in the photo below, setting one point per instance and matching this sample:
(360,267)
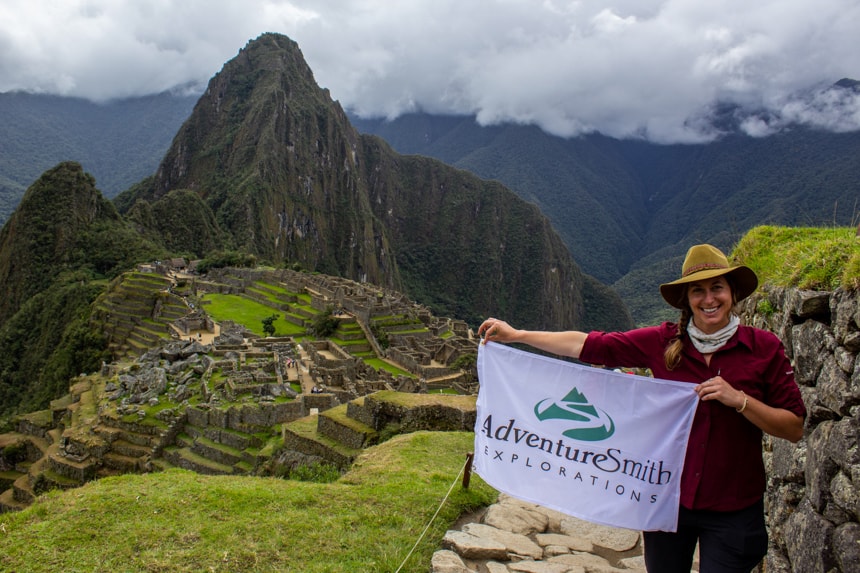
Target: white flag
(603,446)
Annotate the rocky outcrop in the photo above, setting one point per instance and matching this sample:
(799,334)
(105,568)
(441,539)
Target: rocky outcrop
(515,536)
(813,504)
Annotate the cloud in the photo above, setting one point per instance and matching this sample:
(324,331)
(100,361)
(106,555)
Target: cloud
(629,68)
(831,108)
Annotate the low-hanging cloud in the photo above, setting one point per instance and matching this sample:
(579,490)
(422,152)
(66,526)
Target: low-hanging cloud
(632,68)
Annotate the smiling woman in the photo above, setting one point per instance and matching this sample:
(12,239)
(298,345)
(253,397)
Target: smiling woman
(745,384)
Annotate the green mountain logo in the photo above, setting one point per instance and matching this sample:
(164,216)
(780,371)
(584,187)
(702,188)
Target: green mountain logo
(590,424)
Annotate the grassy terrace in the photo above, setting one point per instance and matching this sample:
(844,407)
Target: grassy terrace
(249,313)
(179,521)
(380,364)
(274,287)
(803,257)
(271,297)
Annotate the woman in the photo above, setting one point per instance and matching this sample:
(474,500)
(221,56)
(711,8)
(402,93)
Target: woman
(746,386)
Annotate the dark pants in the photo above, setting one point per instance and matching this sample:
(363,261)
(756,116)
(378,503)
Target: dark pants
(729,542)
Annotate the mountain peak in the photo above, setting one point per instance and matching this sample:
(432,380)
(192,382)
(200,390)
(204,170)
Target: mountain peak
(287,178)
(43,230)
(848,83)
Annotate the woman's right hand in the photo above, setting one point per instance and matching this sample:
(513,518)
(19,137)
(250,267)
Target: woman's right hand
(496,330)
(566,343)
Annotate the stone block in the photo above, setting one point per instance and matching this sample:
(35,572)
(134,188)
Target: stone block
(820,467)
(810,304)
(835,389)
(471,547)
(516,518)
(811,341)
(808,541)
(846,543)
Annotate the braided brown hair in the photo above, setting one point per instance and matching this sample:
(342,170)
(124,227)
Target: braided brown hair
(672,354)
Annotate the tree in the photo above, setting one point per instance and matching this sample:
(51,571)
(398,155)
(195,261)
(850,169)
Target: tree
(325,323)
(268,325)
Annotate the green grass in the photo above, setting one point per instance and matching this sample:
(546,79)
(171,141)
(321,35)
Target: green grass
(273,298)
(380,364)
(818,258)
(179,521)
(443,391)
(249,313)
(273,287)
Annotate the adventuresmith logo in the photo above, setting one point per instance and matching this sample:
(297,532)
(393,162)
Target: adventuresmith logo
(590,423)
(552,454)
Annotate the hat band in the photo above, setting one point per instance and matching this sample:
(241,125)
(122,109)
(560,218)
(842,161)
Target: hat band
(703,267)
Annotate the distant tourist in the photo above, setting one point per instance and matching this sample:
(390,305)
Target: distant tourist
(746,386)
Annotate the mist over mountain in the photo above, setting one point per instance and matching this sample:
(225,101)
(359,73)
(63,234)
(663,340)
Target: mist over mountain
(628,210)
(119,142)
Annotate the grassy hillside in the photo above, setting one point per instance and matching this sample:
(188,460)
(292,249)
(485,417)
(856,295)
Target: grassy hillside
(811,258)
(179,521)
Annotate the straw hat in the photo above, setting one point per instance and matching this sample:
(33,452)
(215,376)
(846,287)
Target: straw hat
(706,262)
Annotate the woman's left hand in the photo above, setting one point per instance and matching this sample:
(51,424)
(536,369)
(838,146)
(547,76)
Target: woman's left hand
(777,422)
(717,388)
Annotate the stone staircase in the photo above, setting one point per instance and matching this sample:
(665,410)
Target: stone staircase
(215,451)
(350,336)
(136,312)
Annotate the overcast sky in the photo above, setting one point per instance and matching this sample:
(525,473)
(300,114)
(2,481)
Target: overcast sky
(641,68)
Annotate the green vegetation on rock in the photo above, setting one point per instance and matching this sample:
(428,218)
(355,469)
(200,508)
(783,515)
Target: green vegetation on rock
(814,258)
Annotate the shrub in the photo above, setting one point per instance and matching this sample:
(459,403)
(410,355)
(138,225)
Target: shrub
(766,308)
(325,324)
(316,472)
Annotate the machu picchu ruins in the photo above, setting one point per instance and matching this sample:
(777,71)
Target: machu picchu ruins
(186,390)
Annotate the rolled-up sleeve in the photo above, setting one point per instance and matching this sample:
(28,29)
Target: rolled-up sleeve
(639,348)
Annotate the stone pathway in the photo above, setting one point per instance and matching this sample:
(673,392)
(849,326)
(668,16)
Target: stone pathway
(512,536)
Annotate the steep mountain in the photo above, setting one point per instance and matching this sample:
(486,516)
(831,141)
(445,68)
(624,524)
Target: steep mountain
(63,227)
(120,142)
(181,221)
(287,178)
(56,250)
(628,210)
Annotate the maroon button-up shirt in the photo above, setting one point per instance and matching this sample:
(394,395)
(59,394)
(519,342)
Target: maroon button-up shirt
(723,469)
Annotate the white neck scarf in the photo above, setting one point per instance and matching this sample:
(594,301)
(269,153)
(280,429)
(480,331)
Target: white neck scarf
(709,343)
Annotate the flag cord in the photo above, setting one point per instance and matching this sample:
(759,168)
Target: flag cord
(429,523)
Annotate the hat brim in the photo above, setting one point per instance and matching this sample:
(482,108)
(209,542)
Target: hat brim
(743,278)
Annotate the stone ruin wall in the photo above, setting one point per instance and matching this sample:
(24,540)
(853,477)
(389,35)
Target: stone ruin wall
(813,498)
